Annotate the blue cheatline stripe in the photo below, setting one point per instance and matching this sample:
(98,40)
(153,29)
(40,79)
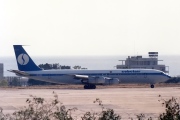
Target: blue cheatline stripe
(101,74)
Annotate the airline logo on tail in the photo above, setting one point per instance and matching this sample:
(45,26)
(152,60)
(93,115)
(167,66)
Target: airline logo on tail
(23,59)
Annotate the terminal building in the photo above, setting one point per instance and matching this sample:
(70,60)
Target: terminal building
(1,71)
(138,62)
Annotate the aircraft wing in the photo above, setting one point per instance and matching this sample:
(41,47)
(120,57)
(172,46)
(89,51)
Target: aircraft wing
(87,77)
(84,77)
(96,79)
(19,73)
(81,77)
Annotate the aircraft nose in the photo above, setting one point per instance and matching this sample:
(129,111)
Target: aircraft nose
(169,76)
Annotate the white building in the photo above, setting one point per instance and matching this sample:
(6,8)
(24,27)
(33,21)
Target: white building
(1,71)
(143,63)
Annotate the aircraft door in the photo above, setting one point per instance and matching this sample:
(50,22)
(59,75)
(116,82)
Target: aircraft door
(49,77)
(145,75)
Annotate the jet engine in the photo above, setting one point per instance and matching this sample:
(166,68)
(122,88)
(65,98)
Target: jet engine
(96,80)
(115,81)
(112,81)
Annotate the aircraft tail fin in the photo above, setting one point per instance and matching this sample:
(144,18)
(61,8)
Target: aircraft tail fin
(24,61)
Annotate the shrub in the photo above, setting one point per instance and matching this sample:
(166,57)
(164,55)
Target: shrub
(172,109)
(142,117)
(173,80)
(105,114)
(3,83)
(40,109)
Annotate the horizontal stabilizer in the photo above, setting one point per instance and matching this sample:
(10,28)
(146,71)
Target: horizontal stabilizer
(19,73)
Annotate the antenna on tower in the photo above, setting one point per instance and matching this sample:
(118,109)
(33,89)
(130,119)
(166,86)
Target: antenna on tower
(153,54)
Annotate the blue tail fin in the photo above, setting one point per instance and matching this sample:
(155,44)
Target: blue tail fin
(24,61)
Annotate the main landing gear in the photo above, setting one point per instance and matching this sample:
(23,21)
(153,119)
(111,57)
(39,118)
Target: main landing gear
(89,86)
(152,86)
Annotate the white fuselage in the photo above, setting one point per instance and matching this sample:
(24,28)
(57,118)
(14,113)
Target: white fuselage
(124,75)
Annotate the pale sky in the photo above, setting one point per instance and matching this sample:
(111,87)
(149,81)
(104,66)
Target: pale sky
(90,27)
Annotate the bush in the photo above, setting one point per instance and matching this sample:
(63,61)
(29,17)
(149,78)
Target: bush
(105,114)
(172,109)
(3,83)
(15,82)
(173,80)
(40,109)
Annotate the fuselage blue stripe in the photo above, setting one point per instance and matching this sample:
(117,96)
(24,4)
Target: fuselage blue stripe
(103,74)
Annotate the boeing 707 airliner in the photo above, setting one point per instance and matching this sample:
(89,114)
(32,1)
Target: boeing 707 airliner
(89,78)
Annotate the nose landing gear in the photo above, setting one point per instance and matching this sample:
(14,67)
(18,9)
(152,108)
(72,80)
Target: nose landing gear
(152,86)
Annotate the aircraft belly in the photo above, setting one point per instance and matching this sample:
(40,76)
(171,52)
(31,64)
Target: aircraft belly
(142,79)
(55,79)
(134,79)
(63,79)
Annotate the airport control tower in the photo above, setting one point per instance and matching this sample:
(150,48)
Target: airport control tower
(133,62)
(1,71)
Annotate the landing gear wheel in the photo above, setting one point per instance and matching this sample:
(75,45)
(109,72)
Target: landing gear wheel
(93,86)
(152,86)
(89,86)
(86,86)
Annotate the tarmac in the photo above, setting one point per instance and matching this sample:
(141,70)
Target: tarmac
(127,102)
